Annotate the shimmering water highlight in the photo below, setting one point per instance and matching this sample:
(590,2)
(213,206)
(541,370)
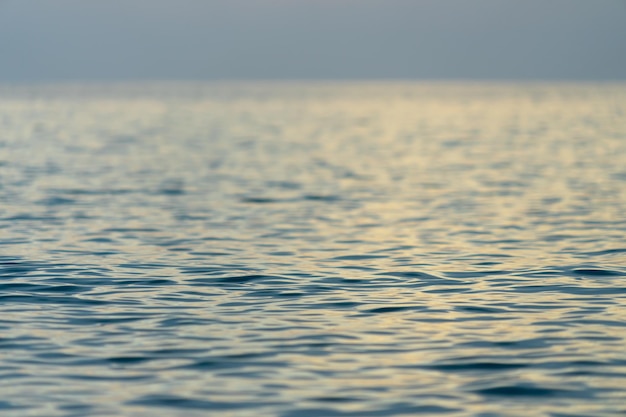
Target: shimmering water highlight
(313,250)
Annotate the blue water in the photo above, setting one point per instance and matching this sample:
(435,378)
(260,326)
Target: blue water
(313,250)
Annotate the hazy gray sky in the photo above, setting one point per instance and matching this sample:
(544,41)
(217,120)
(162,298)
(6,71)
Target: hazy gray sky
(51,40)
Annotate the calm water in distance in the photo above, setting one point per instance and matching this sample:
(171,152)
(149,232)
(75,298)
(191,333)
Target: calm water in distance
(305,250)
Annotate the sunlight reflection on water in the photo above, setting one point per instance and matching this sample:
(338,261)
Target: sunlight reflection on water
(313,249)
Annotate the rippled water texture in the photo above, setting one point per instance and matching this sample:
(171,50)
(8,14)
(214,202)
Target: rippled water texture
(313,250)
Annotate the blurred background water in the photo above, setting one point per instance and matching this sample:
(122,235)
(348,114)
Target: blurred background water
(317,249)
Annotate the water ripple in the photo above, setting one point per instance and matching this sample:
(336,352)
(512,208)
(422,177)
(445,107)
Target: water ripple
(313,250)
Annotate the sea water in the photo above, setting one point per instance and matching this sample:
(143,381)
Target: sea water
(313,249)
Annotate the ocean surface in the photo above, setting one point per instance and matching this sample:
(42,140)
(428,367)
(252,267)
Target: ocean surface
(313,249)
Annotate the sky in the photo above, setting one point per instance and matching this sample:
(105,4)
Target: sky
(84,40)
